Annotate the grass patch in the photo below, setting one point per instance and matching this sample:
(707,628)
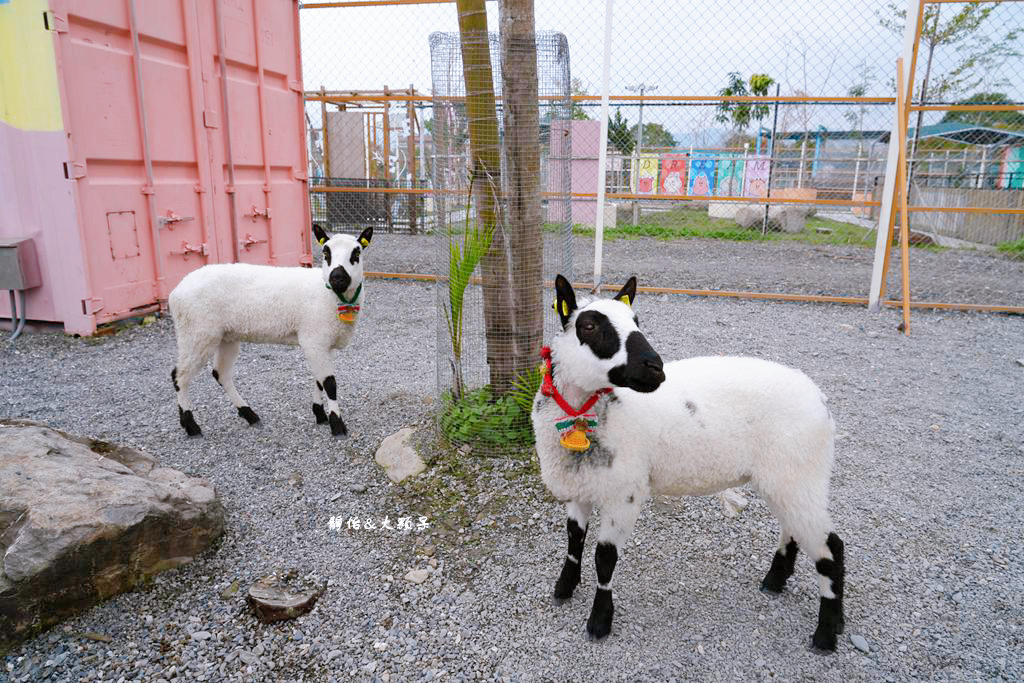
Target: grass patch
(1015,249)
(682,222)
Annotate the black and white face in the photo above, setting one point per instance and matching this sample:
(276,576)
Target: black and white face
(601,343)
(342,264)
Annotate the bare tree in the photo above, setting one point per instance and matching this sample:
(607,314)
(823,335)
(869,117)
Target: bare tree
(522,156)
(486,171)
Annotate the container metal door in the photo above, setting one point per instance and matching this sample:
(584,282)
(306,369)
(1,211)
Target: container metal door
(150,140)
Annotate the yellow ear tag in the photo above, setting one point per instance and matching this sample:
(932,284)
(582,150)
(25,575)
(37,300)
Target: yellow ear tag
(625,299)
(365,242)
(565,309)
(322,241)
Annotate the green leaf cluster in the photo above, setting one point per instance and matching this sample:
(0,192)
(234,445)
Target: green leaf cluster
(480,419)
(740,114)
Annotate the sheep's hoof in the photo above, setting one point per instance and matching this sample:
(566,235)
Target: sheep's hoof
(565,585)
(824,641)
(599,625)
(319,414)
(189,422)
(338,427)
(250,417)
(772,587)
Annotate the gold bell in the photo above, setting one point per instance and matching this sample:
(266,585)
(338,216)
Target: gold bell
(576,440)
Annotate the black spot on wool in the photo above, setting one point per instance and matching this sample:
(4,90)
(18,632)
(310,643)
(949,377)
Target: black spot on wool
(216,375)
(327,255)
(691,407)
(354,258)
(319,387)
(174,379)
(595,330)
(318,412)
(331,388)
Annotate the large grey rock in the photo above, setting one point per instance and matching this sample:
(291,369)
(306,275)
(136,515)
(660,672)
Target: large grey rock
(748,216)
(398,457)
(82,520)
(791,219)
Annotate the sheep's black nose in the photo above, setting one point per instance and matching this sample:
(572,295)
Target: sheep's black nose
(339,280)
(655,369)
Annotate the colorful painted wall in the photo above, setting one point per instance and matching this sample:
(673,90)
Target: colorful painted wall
(36,200)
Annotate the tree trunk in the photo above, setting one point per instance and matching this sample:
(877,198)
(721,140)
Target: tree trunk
(522,158)
(486,169)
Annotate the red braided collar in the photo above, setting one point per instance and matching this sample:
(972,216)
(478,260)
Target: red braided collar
(547,388)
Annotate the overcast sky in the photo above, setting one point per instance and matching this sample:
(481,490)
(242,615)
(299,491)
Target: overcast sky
(822,47)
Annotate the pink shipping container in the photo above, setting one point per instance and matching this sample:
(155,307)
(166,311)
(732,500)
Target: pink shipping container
(142,139)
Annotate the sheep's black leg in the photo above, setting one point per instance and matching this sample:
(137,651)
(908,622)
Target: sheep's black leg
(338,427)
(831,571)
(318,406)
(600,622)
(320,363)
(576,526)
(617,523)
(223,372)
(782,567)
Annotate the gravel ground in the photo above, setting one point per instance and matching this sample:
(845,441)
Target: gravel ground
(926,494)
(951,275)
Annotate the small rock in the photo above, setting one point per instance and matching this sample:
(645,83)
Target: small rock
(334,654)
(1020,362)
(335,497)
(398,457)
(427,550)
(247,657)
(230,590)
(201,635)
(860,643)
(733,502)
(417,575)
(357,488)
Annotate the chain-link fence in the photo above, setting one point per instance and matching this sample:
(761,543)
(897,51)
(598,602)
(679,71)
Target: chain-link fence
(748,143)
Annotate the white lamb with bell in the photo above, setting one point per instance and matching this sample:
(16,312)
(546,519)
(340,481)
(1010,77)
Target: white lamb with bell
(615,426)
(218,306)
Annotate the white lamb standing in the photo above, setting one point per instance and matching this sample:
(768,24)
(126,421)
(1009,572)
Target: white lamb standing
(218,306)
(614,426)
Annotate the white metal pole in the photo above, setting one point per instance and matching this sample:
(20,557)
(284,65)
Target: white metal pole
(602,149)
(889,186)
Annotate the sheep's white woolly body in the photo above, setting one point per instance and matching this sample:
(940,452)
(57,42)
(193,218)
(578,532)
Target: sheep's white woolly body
(691,427)
(714,423)
(278,300)
(217,307)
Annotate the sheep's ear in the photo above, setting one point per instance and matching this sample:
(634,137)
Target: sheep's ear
(565,299)
(628,292)
(365,237)
(320,234)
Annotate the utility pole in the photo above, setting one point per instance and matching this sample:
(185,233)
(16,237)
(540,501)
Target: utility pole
(640,88)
